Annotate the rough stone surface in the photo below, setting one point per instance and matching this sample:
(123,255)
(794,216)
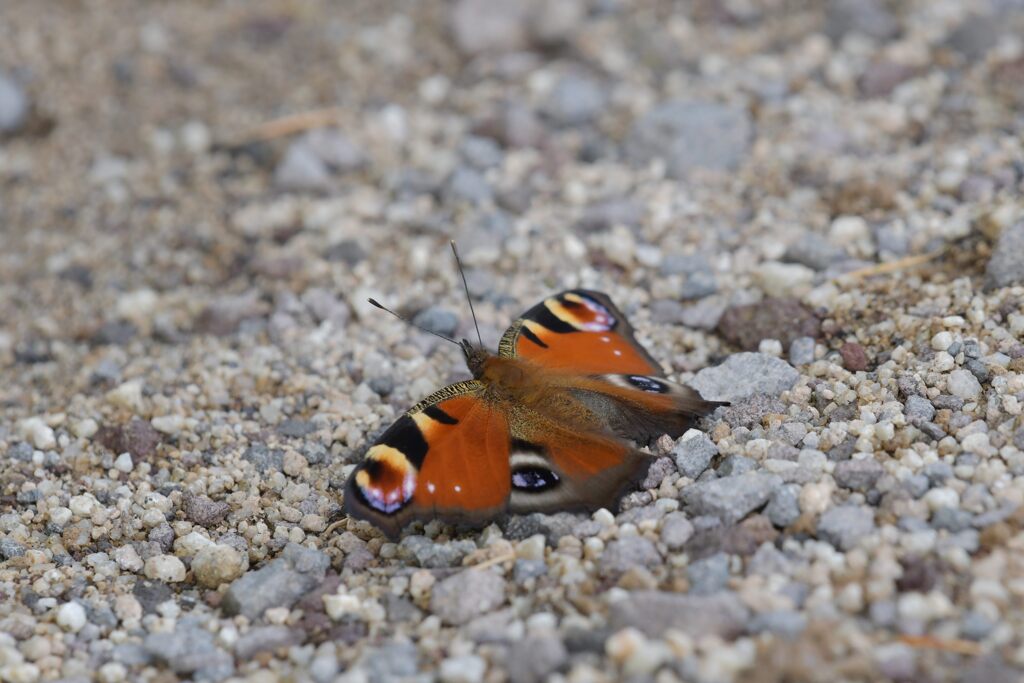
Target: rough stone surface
(743,375)
(785,320)
(654,612)
(691,135)
(731,498)
(466,595)
(281,582)
(843,526)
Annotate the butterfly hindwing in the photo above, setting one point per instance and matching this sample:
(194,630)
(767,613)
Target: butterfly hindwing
(559,469)
(578,330)
(641,407)
(446,457)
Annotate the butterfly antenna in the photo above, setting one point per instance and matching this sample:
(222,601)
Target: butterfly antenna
(405,320)
(465,284)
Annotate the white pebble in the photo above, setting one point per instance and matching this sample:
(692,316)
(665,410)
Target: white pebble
(963,384)
(942,497)
(338,606)
(71,617)
(60,515)
(848,230)
(942,341)
(770,347)
(165,568)
(83,505)
(84,429)
(168,424)
(124,463)
(35,430)
(463,669)
(127,395)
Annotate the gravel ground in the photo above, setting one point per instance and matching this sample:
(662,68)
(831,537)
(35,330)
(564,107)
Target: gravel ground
(811,209)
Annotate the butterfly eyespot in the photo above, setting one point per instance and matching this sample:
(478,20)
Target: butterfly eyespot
(648,384)
(534,479)
(387,481)
(582,313)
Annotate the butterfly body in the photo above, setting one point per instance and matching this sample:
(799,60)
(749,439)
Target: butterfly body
(550,422)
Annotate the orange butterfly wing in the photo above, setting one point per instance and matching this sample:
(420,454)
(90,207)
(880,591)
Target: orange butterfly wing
(578,330)
(446,457)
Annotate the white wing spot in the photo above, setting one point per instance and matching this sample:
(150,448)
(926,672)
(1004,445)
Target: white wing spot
(617,352)
(430,486)
(606,339)
(458,489)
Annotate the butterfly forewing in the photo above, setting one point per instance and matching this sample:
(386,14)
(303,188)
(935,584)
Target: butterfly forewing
(447,457)
(578,330)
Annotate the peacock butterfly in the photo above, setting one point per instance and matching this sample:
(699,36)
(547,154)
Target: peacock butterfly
(551,422)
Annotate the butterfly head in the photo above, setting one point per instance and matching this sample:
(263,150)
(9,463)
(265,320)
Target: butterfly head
(476,357)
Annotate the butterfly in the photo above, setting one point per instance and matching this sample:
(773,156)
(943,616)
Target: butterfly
(551,422)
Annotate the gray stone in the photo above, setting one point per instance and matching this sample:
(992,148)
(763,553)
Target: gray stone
(301,169)
(785,623)
(938,472)
(976,35)
(574,100)
(735,464)
(14,105)
(654,612)
(466,595)
(867,17)
(784,506)
(335,149)
(843,526)
(704,314)
(532,660)
(691,135)
(919,408)
(748,413)
(163,535)
(990,669)
(131,654)
(768,561)
(189,650)
(1006,265)
(698,285)
(437,319)
(814,251)
(708,575)
(390,662)
(467,185)
(801,351)
(608,213)
(280,583)
(264,458)
(858,475)
(731,498)
(296,429)
(10,549)
(685,264)
(204,511)
(524,570)
(951,519)
(487,26)
(480,152)
(265,639)
(676,530)
(623,554)
(432,555)
(20,451)
(743,375)
(658,471)
(976,626)
(693,455)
